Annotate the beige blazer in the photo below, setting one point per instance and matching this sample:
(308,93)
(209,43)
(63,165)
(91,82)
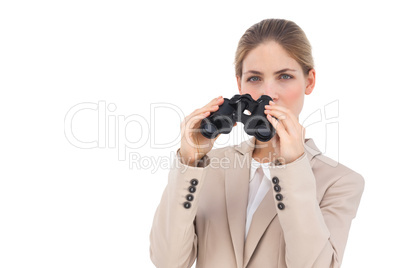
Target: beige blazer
(308,227)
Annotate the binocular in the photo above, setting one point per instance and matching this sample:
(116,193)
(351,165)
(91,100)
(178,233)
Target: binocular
(235,110)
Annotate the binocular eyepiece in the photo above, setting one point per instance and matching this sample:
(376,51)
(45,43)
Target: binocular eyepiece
(235,110)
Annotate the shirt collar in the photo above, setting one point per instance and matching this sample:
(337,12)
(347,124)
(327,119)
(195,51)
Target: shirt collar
(255,165)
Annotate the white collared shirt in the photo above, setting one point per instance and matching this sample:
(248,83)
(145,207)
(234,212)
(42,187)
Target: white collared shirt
(260,183)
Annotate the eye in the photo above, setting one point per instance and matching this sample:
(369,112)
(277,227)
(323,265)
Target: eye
(253,79)
(285,76)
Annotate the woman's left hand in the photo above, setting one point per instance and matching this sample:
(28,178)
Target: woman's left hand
(291,133)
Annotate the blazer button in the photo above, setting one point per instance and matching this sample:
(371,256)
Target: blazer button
(191,189)
(281,206)
(190,197)
(194,182)
(275,180)
(187,205)
(277,188)
(279,197)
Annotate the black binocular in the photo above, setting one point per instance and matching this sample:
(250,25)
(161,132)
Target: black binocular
(235,110)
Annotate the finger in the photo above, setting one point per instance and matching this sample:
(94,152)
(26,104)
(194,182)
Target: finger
(212,106)
(280,129)
(288,118)
(216,101)
(283,119)
(295,129)
(274,106)
(192,127)
(195,121)
(282,109)
(190,120)
(197,113)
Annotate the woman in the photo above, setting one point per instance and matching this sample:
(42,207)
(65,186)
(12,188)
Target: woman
(279,203)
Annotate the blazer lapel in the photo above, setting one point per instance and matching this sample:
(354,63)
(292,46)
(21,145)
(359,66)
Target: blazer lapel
(237,179)
(262,217)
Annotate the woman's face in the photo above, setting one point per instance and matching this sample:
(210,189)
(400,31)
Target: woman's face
(269,70)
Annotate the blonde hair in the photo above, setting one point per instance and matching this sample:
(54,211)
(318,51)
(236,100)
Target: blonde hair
(286,33)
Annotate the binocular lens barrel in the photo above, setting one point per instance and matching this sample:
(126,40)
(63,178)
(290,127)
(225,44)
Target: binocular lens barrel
(262,133)
(209,130)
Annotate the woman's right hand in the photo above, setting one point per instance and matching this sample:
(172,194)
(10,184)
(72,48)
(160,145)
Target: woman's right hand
(193,144)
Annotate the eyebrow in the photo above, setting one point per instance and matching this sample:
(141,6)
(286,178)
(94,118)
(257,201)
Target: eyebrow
(277,72)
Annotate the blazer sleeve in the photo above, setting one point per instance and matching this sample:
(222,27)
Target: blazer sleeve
(315,233)
(173,241)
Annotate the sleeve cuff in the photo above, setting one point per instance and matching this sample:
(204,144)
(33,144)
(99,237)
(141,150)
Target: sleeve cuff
(202,163)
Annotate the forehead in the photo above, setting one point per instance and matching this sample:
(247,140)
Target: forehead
(269,57)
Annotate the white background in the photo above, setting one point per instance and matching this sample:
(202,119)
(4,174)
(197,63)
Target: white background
(65,206)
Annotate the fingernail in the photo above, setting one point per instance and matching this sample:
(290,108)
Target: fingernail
(272,102)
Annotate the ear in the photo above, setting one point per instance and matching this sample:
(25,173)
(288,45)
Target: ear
(238,78)
(310,82)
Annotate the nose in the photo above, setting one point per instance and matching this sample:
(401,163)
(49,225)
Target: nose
(271,91)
